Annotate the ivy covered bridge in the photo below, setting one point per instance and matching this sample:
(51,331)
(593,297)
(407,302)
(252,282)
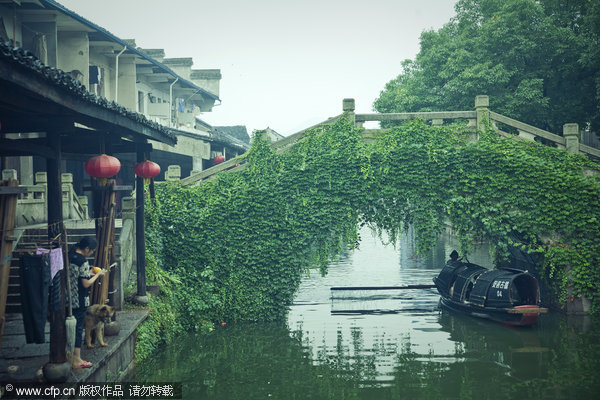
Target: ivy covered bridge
(242,240)
(503,125)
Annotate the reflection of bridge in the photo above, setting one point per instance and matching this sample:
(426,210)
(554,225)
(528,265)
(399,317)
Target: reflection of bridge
(476,119)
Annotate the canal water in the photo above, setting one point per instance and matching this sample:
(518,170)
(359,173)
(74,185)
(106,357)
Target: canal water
(392,344)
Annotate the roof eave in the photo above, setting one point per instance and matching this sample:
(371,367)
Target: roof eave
(109,35)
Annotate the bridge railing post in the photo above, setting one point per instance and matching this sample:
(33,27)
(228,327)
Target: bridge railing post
(348,109)
(482,104)
(173,173)
(571,135)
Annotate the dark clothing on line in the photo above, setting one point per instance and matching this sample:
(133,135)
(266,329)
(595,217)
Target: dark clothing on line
(34,274)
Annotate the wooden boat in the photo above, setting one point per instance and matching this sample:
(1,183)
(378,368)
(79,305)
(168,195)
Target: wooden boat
(506,295)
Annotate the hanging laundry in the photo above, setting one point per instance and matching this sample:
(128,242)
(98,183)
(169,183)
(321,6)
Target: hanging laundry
(94,75)
(34,275)
(56,259)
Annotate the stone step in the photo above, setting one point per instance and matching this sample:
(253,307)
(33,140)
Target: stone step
(25,359)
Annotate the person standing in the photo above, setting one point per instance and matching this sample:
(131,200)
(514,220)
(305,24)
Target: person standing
(82,278)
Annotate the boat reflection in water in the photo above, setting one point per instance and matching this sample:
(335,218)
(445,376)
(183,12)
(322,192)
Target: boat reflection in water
(506,295)
(518,350)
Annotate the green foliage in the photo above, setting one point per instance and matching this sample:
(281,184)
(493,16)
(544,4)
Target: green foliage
(235,248)
(240,244)
(162,325)
(492,189)
(537,60)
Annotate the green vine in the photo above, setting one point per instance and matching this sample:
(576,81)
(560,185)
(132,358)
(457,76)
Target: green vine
(235,248)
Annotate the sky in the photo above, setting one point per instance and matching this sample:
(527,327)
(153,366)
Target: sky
(286,65)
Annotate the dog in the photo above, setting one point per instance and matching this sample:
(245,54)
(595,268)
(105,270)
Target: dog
(95,317)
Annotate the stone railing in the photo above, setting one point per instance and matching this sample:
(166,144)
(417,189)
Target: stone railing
(32,206)
(570,140)
(238,163)
(475,119)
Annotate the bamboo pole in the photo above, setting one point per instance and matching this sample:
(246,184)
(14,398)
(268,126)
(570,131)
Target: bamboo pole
(100,253)
(105,236)
(109,241)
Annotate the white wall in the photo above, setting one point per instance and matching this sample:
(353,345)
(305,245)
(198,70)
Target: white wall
(208,79)
(8,18)
(187,146)
(73,54)
(155,111)
(127,87)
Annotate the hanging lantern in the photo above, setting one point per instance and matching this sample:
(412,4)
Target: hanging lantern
(147,170)
(218,159)
(102,167)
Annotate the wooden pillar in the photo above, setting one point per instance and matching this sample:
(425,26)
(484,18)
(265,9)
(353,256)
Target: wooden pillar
(55,370)
(140,237)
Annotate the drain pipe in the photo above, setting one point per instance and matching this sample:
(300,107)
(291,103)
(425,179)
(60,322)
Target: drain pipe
(171,102)
(117,74)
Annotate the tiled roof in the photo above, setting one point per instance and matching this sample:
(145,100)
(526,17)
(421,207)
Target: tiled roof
(57,77)
(237,131)
(219,134)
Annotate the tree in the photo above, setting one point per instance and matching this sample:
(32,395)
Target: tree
(539,61)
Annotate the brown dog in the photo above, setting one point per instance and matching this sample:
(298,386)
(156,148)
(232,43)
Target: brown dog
(95,317)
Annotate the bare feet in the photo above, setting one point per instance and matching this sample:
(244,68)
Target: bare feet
(82,364)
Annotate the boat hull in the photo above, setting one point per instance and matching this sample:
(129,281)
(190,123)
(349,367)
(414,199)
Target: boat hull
(523,315)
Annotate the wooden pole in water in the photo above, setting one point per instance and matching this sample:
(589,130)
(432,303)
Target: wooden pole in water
(383,287)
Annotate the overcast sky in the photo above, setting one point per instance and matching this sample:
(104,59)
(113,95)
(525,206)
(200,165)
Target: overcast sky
(286,64)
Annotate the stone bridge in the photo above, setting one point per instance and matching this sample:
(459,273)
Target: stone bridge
(475,118)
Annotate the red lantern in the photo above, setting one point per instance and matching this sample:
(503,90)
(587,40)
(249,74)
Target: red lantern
(218,159)
(102,167)
(147,170)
